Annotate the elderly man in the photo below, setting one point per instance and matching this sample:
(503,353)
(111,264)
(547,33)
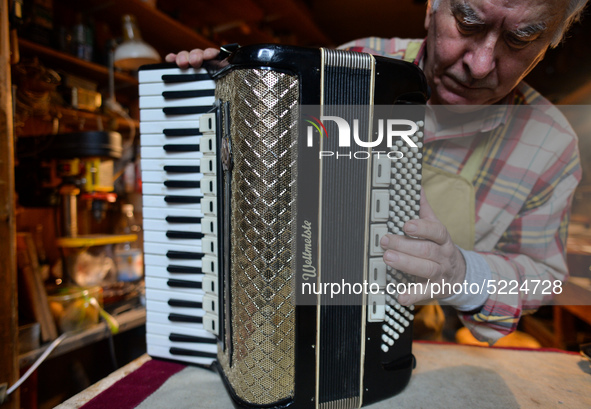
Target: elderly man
(497,189)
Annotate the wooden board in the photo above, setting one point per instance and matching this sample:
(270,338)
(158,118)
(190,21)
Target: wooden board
(28,267)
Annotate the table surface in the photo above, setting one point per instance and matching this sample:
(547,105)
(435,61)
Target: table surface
(447,375)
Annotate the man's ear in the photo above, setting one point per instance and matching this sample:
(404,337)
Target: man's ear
(428,14)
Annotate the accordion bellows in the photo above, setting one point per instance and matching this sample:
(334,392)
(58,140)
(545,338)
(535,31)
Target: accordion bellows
(263,177)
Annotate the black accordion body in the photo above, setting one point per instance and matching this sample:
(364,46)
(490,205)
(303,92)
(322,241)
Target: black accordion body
(250,212)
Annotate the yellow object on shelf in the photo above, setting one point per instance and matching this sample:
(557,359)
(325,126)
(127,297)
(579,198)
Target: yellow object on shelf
(95,240)
(73,308)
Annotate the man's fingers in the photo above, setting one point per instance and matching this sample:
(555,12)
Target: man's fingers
(182,59)
(210,53)
(412,265)
(170,57)
(426,211)
(427,229)
(424,249)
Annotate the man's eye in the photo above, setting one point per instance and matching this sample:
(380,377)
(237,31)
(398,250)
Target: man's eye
(518,43)
(467,28)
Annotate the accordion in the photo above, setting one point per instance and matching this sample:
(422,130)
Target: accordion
(257,203)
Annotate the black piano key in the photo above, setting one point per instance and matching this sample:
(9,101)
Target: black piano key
(173,234)
(186,110)
(183,255)
(183,284)
(188,352)
(195,93)
(184,77)
(181,148)
(183,269)
(181,169)
(182,132)
(182,219)
(182,183)
(185,318)
(190,338)
(182,199)
(185,304)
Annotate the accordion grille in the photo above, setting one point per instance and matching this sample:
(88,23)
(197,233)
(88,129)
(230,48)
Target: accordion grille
(263,128)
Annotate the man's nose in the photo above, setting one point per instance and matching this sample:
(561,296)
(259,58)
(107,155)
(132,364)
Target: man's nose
(481,60)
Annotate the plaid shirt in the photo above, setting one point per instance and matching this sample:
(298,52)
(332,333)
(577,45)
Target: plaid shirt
(523,193)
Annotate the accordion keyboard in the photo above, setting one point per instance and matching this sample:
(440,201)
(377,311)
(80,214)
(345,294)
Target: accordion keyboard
(178,183)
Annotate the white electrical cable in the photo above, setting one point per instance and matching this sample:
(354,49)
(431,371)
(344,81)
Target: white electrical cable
(38,362)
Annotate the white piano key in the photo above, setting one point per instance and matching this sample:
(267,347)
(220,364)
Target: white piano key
(159,115)
(162,249)
(209,185)
(161,139)
(158,201)
(167,329)
(161,237)
(160,351)
(154,88)
(160,189)
(164,307)
(207,144)
(155,75)
(163,261)
(149,102)
(159,127)
(211,323)
(210,284)
(164,340)
(209,206)
(210,303)
(161,272)
(163,225)
(207,123)
(161,177)
(209,225)
(162,284)
(153,152)
(210,245)
(166,295)
(209,265)
(157,165)
(160,213)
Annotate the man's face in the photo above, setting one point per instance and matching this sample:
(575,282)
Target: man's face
(479,50)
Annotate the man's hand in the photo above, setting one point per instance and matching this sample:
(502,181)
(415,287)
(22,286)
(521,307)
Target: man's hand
(193,58)
(429,255)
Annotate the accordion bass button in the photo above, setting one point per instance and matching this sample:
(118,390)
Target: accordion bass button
(377,272)
(376,308)
(381,171)
(379,205)
(376,232)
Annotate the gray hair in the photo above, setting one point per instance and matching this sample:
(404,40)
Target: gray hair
(572,14)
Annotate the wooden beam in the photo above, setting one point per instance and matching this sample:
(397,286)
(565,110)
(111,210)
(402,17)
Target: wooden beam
(8,278)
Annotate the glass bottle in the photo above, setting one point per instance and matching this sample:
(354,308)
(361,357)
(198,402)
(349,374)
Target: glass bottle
(129,255)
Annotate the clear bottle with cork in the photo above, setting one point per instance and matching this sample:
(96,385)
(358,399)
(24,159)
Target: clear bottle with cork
(129,255)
